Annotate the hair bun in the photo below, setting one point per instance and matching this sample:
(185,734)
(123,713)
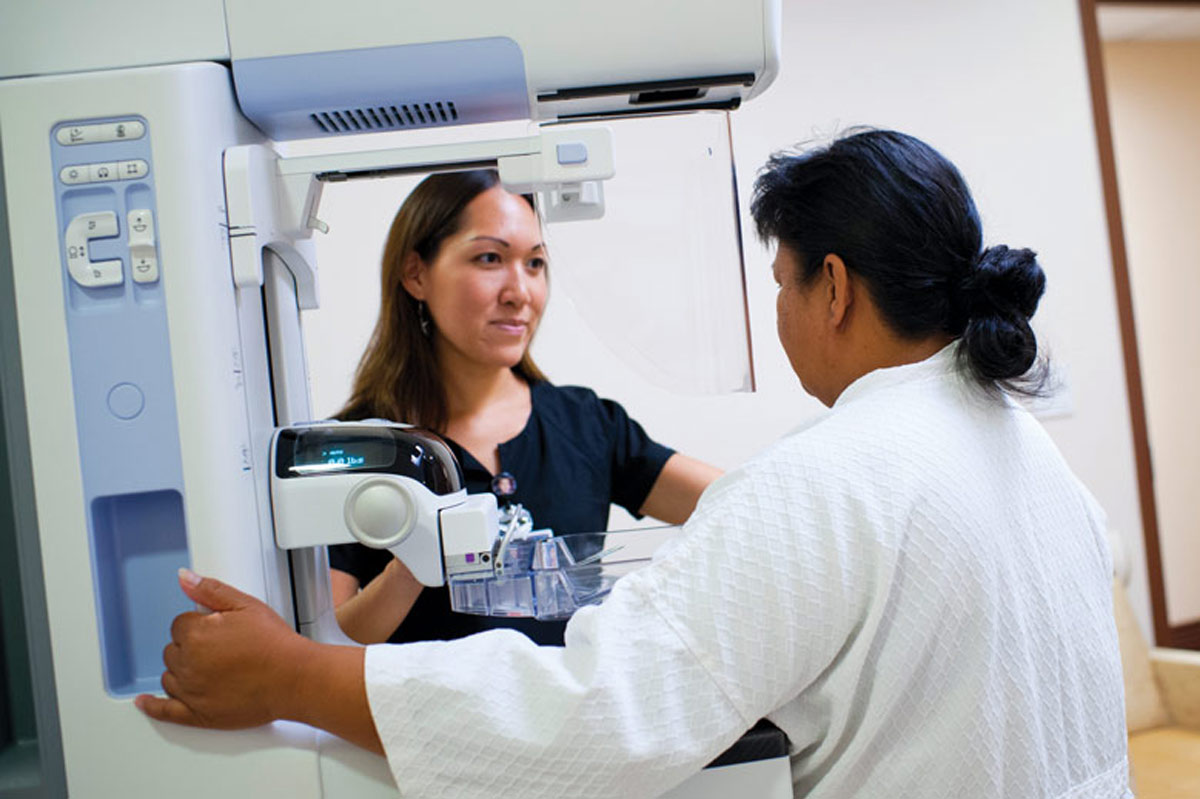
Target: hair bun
(1005,282)
(998,343)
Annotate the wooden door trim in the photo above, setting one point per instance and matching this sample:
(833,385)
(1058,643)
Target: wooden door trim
(1164,634)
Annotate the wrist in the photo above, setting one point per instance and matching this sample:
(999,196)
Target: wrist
(327,691)
(298,681)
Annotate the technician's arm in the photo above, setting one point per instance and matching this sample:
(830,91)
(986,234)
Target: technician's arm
(673,496)
(371,615)
(243,666)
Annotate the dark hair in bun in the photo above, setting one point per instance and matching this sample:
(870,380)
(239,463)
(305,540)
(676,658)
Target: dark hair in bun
(902,219)
(1000,295)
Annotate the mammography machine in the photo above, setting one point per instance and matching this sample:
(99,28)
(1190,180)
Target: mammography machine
(155,253)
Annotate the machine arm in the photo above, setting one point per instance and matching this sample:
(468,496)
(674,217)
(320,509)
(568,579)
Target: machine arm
(395,487)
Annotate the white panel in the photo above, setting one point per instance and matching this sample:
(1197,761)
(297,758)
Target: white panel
(110,748)
(565,44)
(41,37)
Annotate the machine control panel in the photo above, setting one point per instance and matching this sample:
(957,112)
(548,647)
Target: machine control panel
(118,130)
(143,259)
(92,273)
(121,371)
(104,172)
(80,233)
(106,203)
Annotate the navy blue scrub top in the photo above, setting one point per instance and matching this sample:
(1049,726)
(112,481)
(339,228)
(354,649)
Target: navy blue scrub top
(576,455)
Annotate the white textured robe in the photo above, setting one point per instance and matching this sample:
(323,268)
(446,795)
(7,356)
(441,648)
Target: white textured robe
(915,588)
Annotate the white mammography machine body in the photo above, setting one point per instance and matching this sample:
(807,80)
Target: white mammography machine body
(154,256)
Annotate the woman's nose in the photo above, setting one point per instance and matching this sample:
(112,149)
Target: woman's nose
(515,290)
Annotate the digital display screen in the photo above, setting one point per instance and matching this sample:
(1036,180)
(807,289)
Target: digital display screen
(338,456)
(320,452)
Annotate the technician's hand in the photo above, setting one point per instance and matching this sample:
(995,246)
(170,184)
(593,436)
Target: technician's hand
(229,669)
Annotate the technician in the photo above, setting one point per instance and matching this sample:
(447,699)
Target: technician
(914,586)
(464,286)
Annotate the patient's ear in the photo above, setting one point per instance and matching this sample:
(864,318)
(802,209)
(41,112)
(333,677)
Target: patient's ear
(840,288)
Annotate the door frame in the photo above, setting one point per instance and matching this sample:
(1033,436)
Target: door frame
(1184,636)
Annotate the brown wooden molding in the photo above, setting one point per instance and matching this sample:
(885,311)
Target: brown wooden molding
(1163,633)
(1186,636)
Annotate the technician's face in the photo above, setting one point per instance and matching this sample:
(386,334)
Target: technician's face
(797,317)
(486,287)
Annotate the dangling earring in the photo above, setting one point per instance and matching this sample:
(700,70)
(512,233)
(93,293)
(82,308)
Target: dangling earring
(423,317)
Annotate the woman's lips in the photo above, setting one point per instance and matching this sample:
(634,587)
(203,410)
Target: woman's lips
(512,326)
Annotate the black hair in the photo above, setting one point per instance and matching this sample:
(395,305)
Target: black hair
(901,218)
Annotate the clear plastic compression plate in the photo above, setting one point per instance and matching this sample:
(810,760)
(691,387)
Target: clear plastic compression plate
(659,280)
(550,577)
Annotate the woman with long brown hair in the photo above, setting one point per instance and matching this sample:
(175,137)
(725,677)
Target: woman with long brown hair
(464,285)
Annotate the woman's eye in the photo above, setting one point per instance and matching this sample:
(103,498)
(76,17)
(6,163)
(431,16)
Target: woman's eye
(538,263)
(488,258)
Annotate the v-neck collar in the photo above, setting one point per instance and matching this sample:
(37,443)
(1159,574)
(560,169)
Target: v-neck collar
(469,460)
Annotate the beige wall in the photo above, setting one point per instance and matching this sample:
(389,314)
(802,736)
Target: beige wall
(1001,89)
(1154,97)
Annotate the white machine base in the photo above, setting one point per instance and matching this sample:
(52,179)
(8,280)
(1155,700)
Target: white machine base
(760,779)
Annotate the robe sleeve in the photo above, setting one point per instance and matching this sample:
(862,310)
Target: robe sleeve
(684,656)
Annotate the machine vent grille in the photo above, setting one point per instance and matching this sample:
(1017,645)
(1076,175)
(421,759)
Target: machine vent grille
(389,117)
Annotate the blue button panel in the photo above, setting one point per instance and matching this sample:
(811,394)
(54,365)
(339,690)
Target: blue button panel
(124,389)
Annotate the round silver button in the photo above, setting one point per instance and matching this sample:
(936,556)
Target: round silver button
(380,512)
